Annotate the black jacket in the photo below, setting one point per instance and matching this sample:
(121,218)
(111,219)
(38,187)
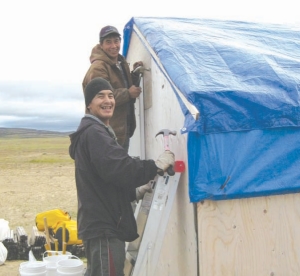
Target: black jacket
(106,178)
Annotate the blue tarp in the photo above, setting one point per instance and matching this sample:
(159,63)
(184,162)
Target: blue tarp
(244,78)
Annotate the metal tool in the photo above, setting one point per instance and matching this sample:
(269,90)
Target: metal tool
(138,71)
(142,254)
(166,133)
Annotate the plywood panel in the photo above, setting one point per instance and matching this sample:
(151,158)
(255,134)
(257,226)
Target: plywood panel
(137,52)
(256,236)
(179,249)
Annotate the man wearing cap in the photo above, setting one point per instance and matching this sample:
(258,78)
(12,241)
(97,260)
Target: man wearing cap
(107,63)
(106,180)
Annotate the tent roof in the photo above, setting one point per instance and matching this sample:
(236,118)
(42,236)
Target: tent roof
(244,78)
(239,75)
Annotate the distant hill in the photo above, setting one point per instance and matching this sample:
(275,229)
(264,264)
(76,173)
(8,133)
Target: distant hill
(29,133)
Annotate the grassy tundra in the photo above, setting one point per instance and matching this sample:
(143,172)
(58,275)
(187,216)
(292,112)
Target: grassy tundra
(36,175)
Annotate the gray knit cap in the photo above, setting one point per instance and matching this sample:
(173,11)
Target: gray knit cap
(93,87)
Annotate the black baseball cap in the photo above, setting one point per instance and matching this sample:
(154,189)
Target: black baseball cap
(107,30)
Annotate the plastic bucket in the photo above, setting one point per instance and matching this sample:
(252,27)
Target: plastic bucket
(51,258)
(33,268)
(51,270)
(70,267)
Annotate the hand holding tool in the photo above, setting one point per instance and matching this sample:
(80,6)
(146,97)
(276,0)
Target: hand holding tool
(165,161)
(166,133)
(139,71)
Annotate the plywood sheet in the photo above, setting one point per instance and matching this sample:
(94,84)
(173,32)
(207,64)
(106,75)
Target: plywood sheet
(162,111)
(255,236)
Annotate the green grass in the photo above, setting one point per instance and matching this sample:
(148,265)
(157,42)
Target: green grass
(49,150)
(36,175)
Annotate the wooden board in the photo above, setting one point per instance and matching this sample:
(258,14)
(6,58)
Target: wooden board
(256,236)
(162,110)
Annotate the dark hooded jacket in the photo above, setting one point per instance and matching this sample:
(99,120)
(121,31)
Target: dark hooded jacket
(123,121)
(106,178)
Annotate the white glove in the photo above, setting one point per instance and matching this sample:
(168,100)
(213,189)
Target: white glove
(140,191)
(165,160)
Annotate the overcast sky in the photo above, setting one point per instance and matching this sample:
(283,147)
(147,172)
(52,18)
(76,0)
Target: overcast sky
(45,48)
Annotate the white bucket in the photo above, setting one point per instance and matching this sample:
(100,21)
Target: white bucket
(51,270)
(33,268)
(70,267)
(51,258)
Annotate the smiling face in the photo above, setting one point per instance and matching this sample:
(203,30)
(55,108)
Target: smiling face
(111,46)
(102,106)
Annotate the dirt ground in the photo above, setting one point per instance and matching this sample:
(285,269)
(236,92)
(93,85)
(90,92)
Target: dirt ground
(36,175)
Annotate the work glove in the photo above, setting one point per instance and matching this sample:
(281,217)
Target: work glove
(137,64)
(140,191)
(165,160)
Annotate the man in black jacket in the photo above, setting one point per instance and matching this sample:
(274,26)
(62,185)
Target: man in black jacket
(106,181)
